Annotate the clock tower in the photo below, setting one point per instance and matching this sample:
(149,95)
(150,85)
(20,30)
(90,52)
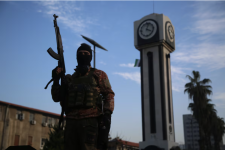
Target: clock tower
(154,37)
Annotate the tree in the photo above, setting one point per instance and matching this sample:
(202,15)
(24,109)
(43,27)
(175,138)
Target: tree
(198,91)
(218,132)
(212,125)
(210,114)
(56,139)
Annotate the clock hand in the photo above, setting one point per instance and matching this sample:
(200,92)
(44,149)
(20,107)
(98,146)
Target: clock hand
(146,27)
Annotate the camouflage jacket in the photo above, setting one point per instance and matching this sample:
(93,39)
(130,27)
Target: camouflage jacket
(103,87)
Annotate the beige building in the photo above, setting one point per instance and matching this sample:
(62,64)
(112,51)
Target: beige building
(118,144)
(21,125)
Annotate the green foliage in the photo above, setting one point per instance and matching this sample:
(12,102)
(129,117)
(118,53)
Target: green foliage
(56,139)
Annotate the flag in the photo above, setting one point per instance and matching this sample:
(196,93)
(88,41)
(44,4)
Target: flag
(137,63)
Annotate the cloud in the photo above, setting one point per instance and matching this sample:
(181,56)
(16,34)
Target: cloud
(70,16)
(178,78)
(203,43)
(219,96)
(219,103)
(101,62)
(176,70)
(209,19)
(39,11)
(207,55)
(134,76)
(131,65)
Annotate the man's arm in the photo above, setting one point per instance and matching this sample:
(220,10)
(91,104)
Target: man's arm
(105,120)
(55,91)
(56,88)
(107,92)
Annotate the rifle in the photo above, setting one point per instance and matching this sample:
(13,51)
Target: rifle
(61,64)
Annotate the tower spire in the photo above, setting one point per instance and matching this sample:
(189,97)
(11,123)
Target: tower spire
(153,6)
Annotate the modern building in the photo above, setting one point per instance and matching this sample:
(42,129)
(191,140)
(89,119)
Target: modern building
(191,133)
(119,144)
(21,125)
(182,146)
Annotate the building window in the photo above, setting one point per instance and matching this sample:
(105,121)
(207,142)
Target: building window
(53,120)
(30,140)
(19,112)
(31,116)
(43,140)
(44,119)
(20,115)
(16,142)
(56,121)
(49,120)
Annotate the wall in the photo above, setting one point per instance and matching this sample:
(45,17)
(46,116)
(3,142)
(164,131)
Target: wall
(23,128)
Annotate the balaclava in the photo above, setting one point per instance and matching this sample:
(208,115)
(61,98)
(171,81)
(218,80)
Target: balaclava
(84,60)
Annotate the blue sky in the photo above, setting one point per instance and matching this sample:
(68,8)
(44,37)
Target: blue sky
(27,32)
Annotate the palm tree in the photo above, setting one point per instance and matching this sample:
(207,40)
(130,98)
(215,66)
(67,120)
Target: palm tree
(218,132)
(210,113)
(198,91)
(56,139)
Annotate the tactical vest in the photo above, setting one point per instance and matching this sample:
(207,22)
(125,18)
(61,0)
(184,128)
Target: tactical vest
(81,92)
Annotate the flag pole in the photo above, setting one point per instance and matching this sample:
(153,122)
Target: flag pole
(94,56)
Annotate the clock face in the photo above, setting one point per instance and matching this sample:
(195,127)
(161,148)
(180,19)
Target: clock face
(170,32)
(147,29)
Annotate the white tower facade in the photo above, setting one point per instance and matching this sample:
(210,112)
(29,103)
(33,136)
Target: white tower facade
(155,39)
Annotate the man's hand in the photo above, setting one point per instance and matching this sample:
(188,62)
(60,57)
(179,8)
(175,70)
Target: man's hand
(56,73)
(59,70)
(104,127)
(105,120)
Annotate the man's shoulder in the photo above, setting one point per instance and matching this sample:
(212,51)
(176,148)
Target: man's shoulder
(68,77)
(98,72)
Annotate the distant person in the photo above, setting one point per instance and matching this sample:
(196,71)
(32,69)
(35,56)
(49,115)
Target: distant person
(85,89)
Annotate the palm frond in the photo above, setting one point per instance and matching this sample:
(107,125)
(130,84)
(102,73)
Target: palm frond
(208,100)
(196,75)
(207,86)
(189,85)
(190,78)
(205,81)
